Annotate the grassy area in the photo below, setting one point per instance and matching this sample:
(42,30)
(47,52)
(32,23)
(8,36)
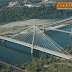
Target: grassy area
(4,30)
(13,30)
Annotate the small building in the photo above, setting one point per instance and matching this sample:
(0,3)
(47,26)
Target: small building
(11,4)
(28,5)
(45,0)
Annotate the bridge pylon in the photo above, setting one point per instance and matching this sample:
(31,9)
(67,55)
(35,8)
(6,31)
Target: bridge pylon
(34,32)
(43,28)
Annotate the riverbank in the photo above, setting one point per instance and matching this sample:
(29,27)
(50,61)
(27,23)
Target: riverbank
(45,63)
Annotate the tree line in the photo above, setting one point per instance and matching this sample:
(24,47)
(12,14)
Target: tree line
(23,13)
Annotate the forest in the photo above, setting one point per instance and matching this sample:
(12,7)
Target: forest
(24,13)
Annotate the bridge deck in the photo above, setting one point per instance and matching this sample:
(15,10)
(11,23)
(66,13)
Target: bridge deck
(38,48)
(57,30)
(61,31)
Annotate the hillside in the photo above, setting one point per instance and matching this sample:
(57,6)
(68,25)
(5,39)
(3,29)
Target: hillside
(25,13)
(6,2)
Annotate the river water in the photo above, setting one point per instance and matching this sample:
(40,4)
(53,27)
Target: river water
(13,55)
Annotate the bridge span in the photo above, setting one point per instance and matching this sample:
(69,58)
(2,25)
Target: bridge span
(69,57)
(61,31)
(57,30)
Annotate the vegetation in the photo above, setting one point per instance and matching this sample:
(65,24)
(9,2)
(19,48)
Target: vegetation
(24,13)
(45,63)
(68,49)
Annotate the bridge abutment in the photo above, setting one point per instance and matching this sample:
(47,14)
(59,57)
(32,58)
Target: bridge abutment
(2,41)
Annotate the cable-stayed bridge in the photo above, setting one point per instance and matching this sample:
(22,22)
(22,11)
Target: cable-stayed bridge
(36,39)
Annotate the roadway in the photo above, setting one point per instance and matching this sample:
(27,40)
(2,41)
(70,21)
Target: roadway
(55,29)
(38,48)
(61,31)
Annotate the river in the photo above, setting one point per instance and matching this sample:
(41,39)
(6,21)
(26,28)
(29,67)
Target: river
(16,56)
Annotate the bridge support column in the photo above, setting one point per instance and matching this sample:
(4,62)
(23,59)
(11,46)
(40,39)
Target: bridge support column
(33,41)
(43,28)
(2,42)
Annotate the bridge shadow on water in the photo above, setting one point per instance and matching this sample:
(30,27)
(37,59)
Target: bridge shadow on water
(12,46)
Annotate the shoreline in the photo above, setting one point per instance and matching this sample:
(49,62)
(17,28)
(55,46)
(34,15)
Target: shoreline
(59,26)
